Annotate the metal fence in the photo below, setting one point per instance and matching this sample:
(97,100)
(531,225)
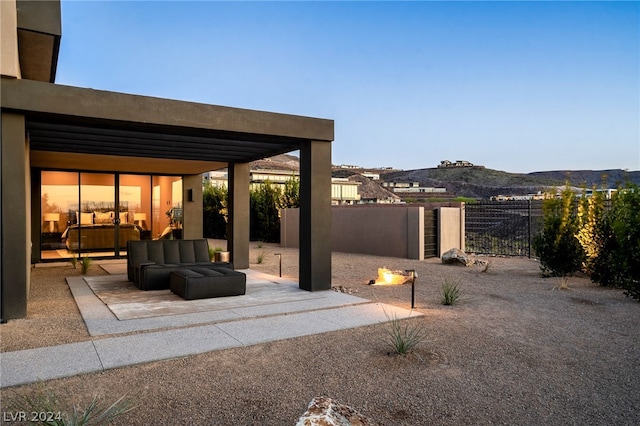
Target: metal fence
(502,227)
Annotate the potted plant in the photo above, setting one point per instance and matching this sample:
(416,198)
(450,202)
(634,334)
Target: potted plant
(219,255)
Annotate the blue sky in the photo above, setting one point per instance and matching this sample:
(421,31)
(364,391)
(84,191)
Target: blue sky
(515,86)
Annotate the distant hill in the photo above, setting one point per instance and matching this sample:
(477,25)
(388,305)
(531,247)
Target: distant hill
(279,162)
(479,182)
(476,182)
(588,178)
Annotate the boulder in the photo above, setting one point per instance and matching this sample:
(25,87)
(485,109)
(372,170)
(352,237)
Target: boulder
(456,256)
(324,411)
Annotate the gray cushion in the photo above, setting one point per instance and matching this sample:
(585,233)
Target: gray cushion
(172,253)
(201,248)
(155,250)
(187,251)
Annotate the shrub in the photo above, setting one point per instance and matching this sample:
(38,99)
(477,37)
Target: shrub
(264,213)
(618,236)
(213,251)
(450,292)
(556,245)
(590,214)
(85,263)
(214,203)
(404,336)
(45,404)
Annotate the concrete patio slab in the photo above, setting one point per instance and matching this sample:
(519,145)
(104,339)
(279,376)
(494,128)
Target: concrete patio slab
(279,310)
(157,346)
(33,365)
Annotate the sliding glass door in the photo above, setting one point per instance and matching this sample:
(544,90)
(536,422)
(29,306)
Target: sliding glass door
(95,214)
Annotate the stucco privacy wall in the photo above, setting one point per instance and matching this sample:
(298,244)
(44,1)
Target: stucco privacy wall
(450,219)
(394,231)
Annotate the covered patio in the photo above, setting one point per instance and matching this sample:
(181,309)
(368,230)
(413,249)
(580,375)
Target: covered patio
(46,126)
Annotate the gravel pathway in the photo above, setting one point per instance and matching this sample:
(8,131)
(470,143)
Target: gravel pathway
(515,350)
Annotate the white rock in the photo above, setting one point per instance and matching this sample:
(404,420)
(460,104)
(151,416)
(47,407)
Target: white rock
(456,256)
(323,411)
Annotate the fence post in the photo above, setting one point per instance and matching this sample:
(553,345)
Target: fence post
(529,215)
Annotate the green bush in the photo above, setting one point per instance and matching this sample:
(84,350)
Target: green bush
(590,214)
(560,252)
(618,237)
(450,292)
(264,213)
(44,403)
(266,200)
(403,337)
(215,201)
(85,263)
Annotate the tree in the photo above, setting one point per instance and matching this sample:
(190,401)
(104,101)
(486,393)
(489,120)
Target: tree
(590,214)
(560,252)
(291,194)
(215,202)
(264,213)
(618,236)
(266,200)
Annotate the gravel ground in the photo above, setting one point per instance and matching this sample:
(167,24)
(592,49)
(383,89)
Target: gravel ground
(515,350)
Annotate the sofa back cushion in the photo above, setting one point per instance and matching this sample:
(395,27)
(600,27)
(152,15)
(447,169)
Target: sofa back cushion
(171,251)
(201,248)
(137,252)
(155,250)
(187,252)
(168,251)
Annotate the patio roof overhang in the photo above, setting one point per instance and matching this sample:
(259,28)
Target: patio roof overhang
(69,127)
(39,29)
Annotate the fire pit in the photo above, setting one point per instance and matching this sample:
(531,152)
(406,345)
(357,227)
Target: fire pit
(390,277)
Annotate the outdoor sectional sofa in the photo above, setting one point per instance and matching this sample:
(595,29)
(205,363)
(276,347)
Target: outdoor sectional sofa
(151,262)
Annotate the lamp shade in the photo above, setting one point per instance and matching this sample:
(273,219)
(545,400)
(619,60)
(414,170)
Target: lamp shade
(139,216)
(52,217)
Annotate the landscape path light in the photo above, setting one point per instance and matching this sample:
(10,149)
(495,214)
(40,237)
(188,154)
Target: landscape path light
(414,275)
(280,262)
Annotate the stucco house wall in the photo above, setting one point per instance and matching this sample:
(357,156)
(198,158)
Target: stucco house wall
(382,230)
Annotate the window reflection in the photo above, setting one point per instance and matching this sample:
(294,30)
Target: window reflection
(94,214)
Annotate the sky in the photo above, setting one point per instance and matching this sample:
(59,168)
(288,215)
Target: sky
(513,86)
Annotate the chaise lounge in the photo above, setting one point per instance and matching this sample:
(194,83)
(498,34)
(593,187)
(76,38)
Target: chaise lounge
(151,263)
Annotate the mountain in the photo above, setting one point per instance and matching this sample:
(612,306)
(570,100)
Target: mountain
(279,162)
(480,182)
(475,181)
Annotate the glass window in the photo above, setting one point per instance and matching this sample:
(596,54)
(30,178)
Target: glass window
(97,213)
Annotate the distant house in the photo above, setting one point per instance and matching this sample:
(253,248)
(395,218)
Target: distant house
(371,192)
(458,163)
(343,191)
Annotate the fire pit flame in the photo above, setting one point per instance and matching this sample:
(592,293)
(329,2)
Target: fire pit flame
(389,277)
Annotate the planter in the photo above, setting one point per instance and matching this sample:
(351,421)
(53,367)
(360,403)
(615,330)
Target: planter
(221,256)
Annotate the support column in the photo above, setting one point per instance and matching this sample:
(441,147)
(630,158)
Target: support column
(238,226)
(15,238)
(192,207)
(315,216)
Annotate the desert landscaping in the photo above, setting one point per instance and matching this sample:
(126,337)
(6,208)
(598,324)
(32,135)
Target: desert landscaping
(513,350)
